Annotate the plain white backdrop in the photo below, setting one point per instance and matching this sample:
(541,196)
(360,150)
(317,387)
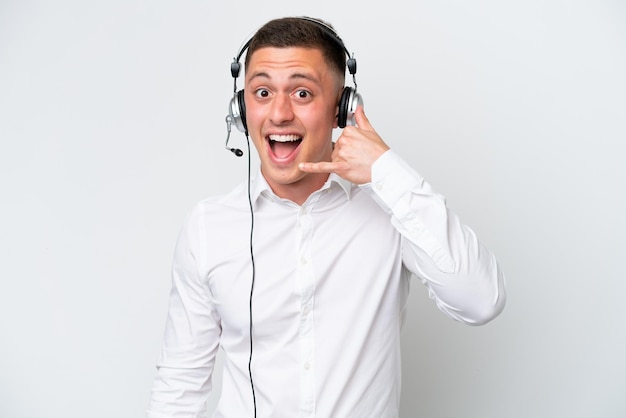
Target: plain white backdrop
(112,127)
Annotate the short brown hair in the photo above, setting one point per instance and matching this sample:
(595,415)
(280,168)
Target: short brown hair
(301,32)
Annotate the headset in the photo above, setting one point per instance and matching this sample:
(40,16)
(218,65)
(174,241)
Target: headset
(347,105)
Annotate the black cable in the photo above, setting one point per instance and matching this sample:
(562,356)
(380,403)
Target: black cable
(253,273)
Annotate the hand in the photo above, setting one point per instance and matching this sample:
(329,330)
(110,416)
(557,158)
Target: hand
(354,153)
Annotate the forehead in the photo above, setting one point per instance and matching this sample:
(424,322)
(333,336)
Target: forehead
(288,59)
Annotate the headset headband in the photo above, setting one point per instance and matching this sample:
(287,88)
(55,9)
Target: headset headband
(347,105)
(235,66)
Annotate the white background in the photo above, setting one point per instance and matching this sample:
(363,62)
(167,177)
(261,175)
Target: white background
(112,127)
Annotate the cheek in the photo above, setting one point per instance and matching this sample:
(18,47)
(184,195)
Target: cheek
(255,112)
(319,117)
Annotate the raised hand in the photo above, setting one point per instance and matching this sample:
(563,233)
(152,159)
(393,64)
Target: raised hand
(355,151)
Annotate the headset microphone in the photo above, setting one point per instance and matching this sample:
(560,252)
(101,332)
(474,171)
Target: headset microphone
(236,151)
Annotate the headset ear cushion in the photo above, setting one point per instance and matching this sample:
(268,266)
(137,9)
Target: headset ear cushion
(242,110)
(344,103)
(237,111)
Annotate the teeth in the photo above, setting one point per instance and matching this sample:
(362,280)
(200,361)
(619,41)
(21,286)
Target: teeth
(284,138)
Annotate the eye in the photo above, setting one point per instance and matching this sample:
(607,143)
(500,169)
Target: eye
(303,94)
(262,93)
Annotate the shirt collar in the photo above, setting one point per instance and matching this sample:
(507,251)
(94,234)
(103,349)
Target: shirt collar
(347,186)
(259,186)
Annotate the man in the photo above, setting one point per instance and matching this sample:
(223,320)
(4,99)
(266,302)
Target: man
(308,311)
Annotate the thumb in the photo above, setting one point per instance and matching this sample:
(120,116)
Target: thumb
(361,120)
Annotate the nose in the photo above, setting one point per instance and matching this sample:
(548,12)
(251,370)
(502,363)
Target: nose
(281,111)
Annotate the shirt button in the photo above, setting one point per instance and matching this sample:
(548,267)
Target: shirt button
(307,366)
(379,186)
(305,310)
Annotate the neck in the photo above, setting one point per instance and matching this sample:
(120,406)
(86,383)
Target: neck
(300,191)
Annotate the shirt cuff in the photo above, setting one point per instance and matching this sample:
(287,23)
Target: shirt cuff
(392,177)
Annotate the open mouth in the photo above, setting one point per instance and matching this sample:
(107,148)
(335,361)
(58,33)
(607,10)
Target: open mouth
(283,146)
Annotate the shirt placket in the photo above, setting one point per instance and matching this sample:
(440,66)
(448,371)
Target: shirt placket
(306,281)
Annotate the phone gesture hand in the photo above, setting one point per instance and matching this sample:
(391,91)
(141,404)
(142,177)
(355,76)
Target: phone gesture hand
(356,149)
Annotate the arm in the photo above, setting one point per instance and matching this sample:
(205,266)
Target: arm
(192,332)
(461,274)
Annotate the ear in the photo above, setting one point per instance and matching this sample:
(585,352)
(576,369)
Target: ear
(337,100)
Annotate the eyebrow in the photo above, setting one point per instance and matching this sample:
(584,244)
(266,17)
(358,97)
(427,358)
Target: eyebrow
(294,76)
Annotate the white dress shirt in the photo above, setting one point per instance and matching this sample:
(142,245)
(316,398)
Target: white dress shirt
(331,283)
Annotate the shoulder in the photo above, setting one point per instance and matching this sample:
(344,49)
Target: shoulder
(234,200)
(215,213)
